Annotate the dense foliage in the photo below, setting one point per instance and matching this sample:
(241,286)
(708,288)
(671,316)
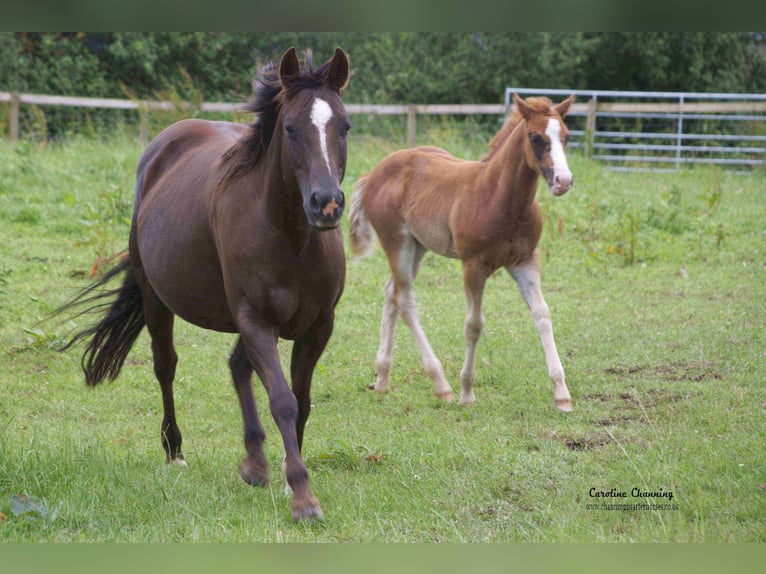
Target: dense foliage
(390,67)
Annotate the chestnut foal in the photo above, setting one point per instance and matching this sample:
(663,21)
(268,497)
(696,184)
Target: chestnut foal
(481,212)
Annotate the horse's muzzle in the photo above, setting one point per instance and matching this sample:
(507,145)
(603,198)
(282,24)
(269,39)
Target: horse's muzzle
(561,184)
(325,208)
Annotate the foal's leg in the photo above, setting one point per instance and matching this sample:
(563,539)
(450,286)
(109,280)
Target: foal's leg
(384,357)
(260,343)
(527,277)
(159,323)
(474,278)
(404,271)
(254,468)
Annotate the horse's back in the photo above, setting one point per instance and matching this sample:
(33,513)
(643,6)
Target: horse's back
(186,141)
(418,188)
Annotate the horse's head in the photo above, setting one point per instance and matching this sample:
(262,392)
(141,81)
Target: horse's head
(546,140)
(314,124)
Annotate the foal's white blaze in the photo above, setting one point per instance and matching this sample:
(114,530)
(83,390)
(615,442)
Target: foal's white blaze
(321,112)
(562,177)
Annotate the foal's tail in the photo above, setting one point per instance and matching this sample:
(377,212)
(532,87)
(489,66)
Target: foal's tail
(112,337)
(361,233)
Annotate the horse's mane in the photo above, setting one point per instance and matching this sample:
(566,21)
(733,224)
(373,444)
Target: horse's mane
(539,105)
(266,103)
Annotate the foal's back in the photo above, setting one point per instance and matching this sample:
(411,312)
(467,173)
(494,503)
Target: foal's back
(419,191)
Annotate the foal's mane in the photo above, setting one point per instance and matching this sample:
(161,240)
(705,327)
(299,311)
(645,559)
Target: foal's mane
(267,101)
(539,105)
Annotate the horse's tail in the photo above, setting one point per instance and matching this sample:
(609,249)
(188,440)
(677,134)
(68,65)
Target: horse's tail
(111,338)
(361,233)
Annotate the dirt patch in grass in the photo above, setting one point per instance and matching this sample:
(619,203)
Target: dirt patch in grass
(678,371)
(631,407)
(587,442)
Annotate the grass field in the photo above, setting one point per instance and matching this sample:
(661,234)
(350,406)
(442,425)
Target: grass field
(656,283)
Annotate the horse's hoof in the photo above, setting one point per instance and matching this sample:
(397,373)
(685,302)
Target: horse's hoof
(467,398)
(381,390)
(308,510)
(564,405)
(177,460)
(254,472)
(445,396)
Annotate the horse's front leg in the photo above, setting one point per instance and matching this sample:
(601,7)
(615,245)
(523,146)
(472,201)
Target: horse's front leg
(254,468)
(260,342)
(306,353)
(527,277)
(474,278)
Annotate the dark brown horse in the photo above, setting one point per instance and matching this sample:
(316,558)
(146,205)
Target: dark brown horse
(235,229)
(481,212)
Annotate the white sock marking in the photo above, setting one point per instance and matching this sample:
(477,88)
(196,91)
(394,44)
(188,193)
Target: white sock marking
(321,112)
(560,166)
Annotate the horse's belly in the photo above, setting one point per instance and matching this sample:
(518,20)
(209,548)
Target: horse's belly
(182,267)
(435,237)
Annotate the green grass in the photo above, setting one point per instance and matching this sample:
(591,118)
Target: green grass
(656,286)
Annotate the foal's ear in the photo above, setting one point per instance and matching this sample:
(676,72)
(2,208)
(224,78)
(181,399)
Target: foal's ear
(563,107)
(289,67)
(522,106)
(337,75)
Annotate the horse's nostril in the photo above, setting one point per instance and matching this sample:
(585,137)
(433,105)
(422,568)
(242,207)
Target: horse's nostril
(314,201)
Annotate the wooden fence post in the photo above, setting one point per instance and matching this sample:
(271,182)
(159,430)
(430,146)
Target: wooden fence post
(143,122)
(590,126)
(411,124)
(13,133)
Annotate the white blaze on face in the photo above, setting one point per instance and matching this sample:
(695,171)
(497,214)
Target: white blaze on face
(321,112)
(562,177)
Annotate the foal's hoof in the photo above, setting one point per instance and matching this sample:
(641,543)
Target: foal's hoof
(564,405)
(307,509)
(380,389)
(254,471)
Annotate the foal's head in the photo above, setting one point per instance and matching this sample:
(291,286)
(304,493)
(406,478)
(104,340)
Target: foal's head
(314,124)
(547,137)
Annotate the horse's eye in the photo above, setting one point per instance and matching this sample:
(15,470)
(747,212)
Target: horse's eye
(536,139)
(290,129)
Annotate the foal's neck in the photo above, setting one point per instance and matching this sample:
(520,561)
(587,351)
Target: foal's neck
(513,182)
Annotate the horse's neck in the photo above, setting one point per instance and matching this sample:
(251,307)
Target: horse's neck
(283,203)
(513,183)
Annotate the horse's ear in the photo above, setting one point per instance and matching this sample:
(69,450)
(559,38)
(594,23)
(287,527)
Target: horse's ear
(522,106)
(289,67)
(337,75)
(563,107)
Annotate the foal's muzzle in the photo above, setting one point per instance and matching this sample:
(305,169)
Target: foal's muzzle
(325,208)
(561,183)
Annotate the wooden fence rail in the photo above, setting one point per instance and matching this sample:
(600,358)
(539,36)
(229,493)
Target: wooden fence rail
(589,109)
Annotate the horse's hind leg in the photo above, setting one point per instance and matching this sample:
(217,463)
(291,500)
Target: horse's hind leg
(159,322)
(404,270)
(254,468)
(527,277)
(384,358)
